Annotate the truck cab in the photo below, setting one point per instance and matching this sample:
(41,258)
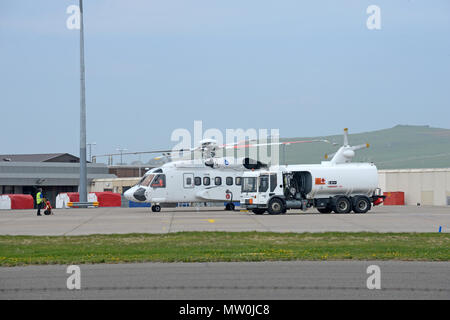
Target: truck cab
(271,191)
(257,188)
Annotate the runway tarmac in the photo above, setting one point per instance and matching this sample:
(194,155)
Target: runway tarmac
(143,220)
(231,281)
(237,281)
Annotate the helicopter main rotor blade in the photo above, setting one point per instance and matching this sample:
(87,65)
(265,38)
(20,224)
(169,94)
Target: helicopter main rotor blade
(275,143)
(232,145)
(143,152)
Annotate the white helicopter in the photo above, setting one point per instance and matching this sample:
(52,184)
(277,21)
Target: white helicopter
(208,179)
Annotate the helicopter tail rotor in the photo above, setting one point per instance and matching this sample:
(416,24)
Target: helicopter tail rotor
(346,152)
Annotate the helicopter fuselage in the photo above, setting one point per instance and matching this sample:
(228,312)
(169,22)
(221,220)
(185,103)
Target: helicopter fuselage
(192,181)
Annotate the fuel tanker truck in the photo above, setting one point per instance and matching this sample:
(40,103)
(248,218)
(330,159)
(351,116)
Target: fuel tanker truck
(336,185)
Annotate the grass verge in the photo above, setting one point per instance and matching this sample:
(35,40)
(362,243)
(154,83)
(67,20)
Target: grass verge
(222,246)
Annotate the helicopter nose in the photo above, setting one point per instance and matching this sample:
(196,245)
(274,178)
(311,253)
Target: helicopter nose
(139,194)
(129,194)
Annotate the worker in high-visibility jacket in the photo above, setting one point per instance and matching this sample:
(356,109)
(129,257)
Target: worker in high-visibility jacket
(39,201)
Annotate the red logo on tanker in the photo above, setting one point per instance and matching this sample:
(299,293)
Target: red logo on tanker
(320,181)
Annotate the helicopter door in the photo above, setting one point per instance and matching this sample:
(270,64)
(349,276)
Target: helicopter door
(188,180)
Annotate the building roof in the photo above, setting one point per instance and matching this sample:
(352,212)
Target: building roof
(48,173)
(39,157)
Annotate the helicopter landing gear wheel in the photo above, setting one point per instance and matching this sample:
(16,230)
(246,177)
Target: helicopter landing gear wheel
(156,208)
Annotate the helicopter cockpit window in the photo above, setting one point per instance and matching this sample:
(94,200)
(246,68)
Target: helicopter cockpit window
(159,181)
(146,180)
(142,180)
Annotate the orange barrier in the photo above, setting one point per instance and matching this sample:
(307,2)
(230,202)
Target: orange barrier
(104,199)
(396,198)
(18,201)
(108,199)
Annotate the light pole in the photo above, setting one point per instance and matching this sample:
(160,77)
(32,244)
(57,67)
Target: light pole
(83,169)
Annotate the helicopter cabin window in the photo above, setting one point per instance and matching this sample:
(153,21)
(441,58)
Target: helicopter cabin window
(218,181)
(263,183)
(159,181)
(188,181)
(206,181)
(229,181)
(237,181)
(198,181)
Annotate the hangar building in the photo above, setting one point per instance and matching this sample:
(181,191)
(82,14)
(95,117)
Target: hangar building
(54,173)
(421,186)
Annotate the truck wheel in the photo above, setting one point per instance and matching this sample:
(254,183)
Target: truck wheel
(258,211)
(324,210)
(361,205)
(342,204)
(156,208)
(275,206)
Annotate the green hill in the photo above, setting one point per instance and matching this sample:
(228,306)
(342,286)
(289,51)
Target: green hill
(399,147)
